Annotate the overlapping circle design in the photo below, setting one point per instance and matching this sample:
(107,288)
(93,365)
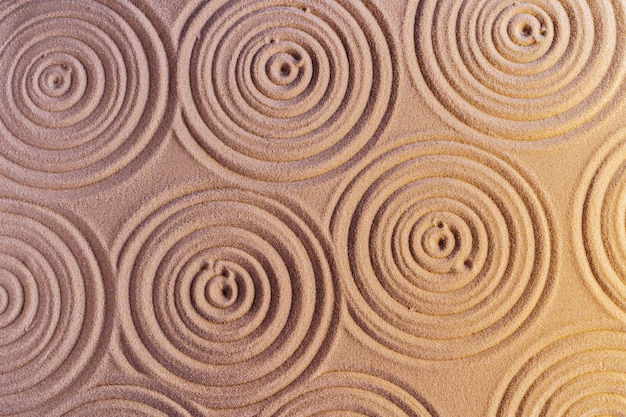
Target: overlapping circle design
(283,90)
(601,225)
(580,375)
(521,70)
(350,393)
(82,91)
(122,400)
(52,305)
(445,249)
(228,293)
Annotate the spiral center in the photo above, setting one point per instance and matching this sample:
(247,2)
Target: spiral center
(438,241)
(55,80)
(221,290)
(525,29)
(283,68)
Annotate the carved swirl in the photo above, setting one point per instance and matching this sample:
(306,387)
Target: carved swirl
(448,249)
(349,393)
(51,305)
(84,88)
(580,375)
(522,70)
(226,291)
(122,400)
(601,226)
(283,90)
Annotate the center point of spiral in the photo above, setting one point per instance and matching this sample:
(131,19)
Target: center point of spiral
(221,290)
(438,241)
(56,80)
(283,68)
(525,29)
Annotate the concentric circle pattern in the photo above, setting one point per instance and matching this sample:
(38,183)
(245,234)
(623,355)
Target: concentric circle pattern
(581,375)
(349,393)
(445,250)
(51,305)
(226,291)
(283,90)
(602,228)
(82,90)
(122,400)
(521,70)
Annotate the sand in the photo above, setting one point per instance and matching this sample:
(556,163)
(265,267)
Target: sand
(312,207)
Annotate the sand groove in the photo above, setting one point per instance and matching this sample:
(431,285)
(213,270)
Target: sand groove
(523,70)
(121,400)
(225,292)
(83,88)
(601,224)
(239,208)
(52,305)
(283,90)
(445,250)
(580,375)
(350,393)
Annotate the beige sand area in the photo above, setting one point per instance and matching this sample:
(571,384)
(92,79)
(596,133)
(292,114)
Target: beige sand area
(313,207)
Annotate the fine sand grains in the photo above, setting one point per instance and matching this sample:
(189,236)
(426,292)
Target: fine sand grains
(312,207)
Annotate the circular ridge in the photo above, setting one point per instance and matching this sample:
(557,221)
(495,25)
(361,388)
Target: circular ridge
(52,304)
(349,392)
(226,290)
(579,375)
(446,249)
(520,70)
(283,90)
(84,89)
(600,230)
(121,400)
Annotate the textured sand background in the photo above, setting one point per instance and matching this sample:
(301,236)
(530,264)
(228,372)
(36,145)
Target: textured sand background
(313,207)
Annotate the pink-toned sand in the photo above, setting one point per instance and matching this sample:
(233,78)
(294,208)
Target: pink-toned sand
(313,207)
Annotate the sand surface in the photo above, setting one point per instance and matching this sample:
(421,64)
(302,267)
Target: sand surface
(313,207)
